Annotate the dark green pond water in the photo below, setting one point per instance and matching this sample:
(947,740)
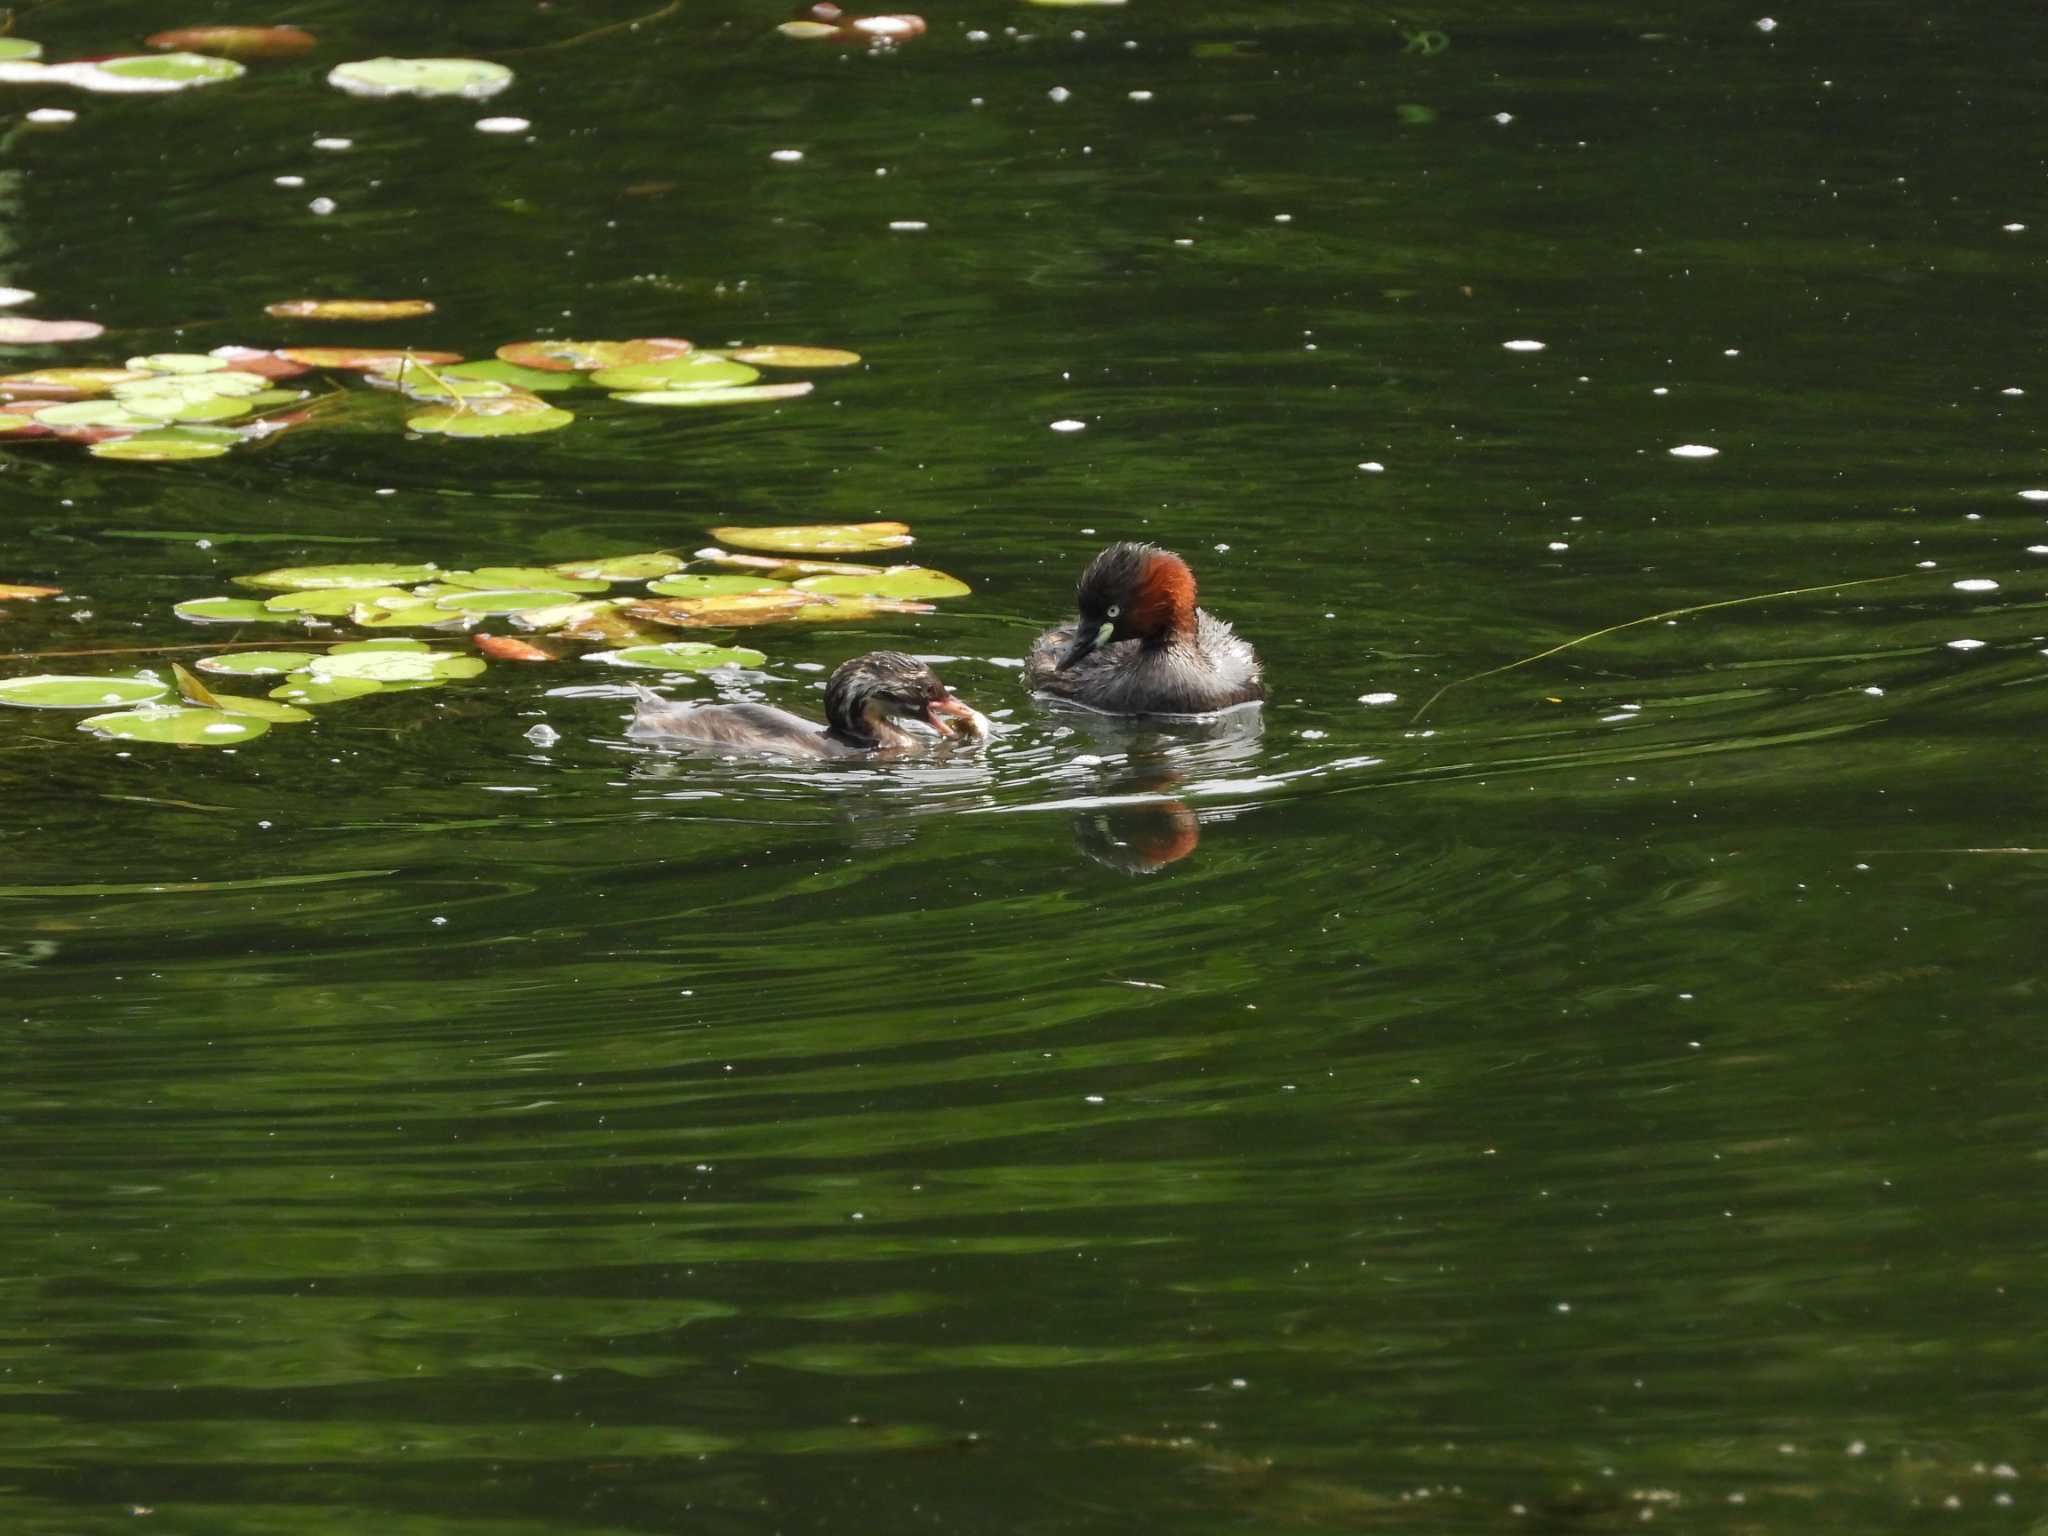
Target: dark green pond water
(1611,1095)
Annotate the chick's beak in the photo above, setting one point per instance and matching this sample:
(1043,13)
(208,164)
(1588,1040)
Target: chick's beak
(949,717)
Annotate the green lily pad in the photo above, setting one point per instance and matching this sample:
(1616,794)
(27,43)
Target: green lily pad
(166,445)
(396,666)
(741,394)
(385,643)
(178,362)
(423,381)
(680,656)
(331,602)
(621,567)
(177,725)
(586,356)
(257,663)
(772,355)
(411,616)
(503,600)
(512,415)
(915,582)
(497,371)
(174,68)
(538,578)
(19,48)
(712,585)
(52,690)
(564,615)
(223,610)
(701,370)
(67,383)
(93,413)
(818,538)
(272,710)
(474,79)
(309,688)
(307,578)
(173,407)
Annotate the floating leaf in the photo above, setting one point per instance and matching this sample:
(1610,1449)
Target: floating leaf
(508,416)
(785,568)
(743,394)
(19,48)
(379,359)
(736,611)
(192,386)
(9,591)
(19,421)
(886,29)
(174,70)
(167,445)
(412,616)
(587,356)
(704,370)
(305,688)
(349,309)
(20,330)
(681,656)
(511,648)
(307,578)
(422,381)
(621,567)
(818,538)
(56,690)
(270,365)
(275,712)
(714,585)
(914,582)
(257,663)
(844,609)
(395,666)
(773,355)
(332,601)
(237,42)
(475,79)
(224,610)
(159,407)
(176,725)
(382,643)
(66,383)
(539,578)
(92,413)
(178,362)
(506,601)
(498,371)
(563,615)
(808,31)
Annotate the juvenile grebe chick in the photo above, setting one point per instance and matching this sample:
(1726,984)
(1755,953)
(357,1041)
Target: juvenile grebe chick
(1140,645)
(863,701)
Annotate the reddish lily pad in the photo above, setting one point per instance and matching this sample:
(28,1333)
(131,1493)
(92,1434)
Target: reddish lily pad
(349,309)
(818,538)
(511,648)
(589,356)
(21,330)
(774,355)
(236,42)
(380,359)
(271,365)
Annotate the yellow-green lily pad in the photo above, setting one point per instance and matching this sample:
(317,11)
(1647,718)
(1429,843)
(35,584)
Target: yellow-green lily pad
(511,415)
(182,69)
(915,582)
(714,584)
(311,688)
(818,538)
(586,356)
(56,690)
(702,370)
(331,602)
(223,610)
(509,600)
(621,567)
(257,663)
(165,446)
(409,616)
(177,725)
(740,394)
(541,578)
(772,355)
(680,656)
(307,578)
(473,79)
(496,370)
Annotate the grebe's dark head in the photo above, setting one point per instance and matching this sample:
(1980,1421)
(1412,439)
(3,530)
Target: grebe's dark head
(1131,592)
(868,694)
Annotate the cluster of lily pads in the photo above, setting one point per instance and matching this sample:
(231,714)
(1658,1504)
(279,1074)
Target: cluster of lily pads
(570,610)
(190,405)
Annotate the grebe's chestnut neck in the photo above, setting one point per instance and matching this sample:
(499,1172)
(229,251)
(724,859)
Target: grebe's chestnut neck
(1132,592)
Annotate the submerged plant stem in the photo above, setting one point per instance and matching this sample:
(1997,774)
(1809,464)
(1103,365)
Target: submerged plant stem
(1648,618)
(583,37)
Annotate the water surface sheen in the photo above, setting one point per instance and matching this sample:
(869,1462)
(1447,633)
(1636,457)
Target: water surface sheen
(1609,1092)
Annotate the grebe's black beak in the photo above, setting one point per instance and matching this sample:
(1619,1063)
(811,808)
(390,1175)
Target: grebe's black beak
(1086,638)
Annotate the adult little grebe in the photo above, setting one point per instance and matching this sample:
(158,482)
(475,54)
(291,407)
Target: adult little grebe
(863,700)
(1141,646)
